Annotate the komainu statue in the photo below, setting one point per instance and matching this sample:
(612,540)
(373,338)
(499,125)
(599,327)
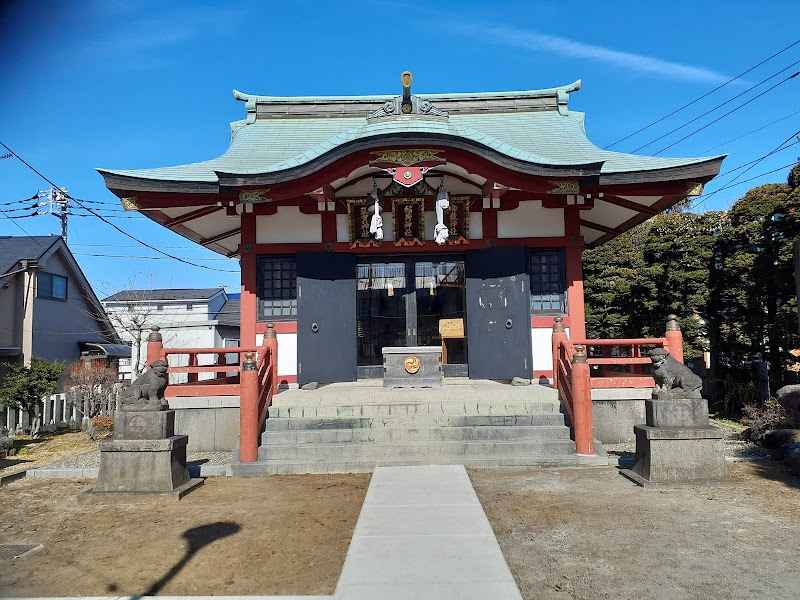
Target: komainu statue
(147,392)
(673,379)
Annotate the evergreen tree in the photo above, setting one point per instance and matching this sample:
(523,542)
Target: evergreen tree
(753,306)
(24,387)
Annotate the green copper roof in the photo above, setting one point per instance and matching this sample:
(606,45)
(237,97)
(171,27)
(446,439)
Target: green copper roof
(281,134)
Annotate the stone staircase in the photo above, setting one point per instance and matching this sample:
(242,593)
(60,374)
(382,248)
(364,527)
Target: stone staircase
(354,427)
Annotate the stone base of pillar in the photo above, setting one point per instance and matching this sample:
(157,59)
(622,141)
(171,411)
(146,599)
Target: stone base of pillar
(674,455)
(149,468)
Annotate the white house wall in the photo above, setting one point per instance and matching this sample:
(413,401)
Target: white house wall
(288,226)
(530,219)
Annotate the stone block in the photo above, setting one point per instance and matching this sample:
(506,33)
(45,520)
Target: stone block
(144,425)
(142,465)
(680,412)
(667,455)
(412,367)
(614,419)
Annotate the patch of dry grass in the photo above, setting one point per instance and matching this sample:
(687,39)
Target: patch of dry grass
(48,448)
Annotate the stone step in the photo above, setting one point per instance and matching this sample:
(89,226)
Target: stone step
(416,421)
(365,392)
(432,451)
(395,409)
(285,467)
(426,434)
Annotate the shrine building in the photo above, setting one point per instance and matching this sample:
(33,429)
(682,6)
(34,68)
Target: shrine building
(453,220)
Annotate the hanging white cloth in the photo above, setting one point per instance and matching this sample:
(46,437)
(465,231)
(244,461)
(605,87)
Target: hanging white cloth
(376,223)
(440,232)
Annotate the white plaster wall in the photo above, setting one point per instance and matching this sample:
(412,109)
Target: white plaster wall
(288,226)
(542,346)
(287,354)
(475,226)
(530,219)
(342,229)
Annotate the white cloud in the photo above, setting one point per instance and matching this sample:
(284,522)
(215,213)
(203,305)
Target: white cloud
(532,40)
(141,41)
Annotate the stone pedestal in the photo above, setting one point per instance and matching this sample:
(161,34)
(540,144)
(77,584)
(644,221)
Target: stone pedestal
(144,461)
(678,445)
(412,367)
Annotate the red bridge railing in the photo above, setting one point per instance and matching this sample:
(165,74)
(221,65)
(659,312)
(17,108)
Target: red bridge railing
(254,379)
(582,365)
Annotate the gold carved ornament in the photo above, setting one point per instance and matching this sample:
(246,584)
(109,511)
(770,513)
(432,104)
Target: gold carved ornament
(407,158)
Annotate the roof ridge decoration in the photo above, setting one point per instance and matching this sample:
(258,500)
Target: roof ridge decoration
(408,104)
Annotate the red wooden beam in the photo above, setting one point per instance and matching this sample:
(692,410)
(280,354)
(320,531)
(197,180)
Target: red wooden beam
(627,204)
(599,227)
(220,236)
(195,214)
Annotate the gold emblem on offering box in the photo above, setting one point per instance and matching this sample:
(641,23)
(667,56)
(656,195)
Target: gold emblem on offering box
(411,364)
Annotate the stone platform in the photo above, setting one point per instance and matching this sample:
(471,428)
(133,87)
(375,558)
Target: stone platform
(144,462)
(678,445)
(355,427)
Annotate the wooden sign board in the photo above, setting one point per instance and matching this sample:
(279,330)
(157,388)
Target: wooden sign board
(451,328)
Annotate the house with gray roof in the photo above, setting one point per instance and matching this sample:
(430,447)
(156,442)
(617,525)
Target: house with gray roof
(47,307)
(186,318)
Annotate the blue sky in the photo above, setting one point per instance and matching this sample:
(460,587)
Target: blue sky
(127,85)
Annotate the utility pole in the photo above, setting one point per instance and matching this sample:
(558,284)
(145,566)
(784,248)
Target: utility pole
(57,202)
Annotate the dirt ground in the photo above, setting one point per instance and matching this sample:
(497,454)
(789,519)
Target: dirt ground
(592,534)
(266,536)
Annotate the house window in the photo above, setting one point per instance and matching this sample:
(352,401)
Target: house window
(277,288)
(159,307)
(548,282)
(189,307)
(51,286)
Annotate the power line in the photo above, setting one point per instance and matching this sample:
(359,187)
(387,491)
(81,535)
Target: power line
(702,152)
(143,257)
(718,106)
(107,222)
(687,105)
(742,105)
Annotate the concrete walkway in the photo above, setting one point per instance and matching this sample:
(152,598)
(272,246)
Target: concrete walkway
(421,534)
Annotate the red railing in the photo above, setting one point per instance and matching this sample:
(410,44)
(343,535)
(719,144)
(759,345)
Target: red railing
(575,373)
(254,381)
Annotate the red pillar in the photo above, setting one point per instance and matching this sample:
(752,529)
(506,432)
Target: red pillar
(559,335)
(271,342)
(155,346)
(248,307)
(582,407)
(674,337)
(248,410)
(574,268)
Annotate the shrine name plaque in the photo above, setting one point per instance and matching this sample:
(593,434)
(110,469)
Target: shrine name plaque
(451,328)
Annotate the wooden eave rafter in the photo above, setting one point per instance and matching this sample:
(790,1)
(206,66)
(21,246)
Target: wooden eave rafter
(220,236)
(640,208)
(196,214)
(599,227)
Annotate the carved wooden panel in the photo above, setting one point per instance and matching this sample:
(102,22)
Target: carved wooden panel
(456,219)
(408,221)
(358,219)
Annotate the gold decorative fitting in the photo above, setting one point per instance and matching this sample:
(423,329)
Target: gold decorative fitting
(406,158)
(131,203)
(695,189)
(253,196)
(411,364)
(564,187)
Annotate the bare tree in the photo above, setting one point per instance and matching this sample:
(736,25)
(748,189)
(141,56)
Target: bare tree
(133,313)
(89,384)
